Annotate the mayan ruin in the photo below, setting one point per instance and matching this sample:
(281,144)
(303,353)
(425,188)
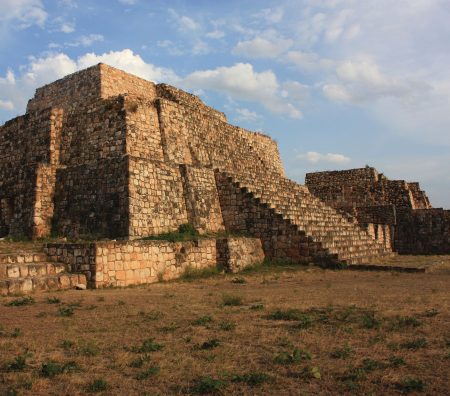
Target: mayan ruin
(105,156)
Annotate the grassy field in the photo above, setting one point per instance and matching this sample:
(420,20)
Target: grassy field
(281,331)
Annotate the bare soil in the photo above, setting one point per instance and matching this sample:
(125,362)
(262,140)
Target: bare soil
(273,331)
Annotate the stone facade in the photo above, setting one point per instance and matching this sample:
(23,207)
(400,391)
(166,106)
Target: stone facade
(104,154)
(394,211)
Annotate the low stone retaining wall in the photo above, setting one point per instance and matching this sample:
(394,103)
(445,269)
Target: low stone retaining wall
(123,263)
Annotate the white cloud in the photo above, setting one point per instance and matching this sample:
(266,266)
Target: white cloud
(170,46)
(215,34)
(6,105)
(86,41)
(246,115)
(261,47)
(308,61)
(22,13)
(184,23)
(243,83)
(314,157)
(67,27)
(128,2)
(360,80)
(16,90)
(130,62)
(270,15)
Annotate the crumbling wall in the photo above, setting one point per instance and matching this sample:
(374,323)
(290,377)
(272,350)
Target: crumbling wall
(26,143)
(423,231)
(237,253)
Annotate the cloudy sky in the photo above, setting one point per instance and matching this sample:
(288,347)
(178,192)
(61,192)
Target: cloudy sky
(338,83)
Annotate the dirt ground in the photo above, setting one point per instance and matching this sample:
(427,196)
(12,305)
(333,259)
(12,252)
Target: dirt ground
(280,331)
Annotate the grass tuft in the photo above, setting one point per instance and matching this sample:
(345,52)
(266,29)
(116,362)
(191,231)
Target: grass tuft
(18,302)
(230,300)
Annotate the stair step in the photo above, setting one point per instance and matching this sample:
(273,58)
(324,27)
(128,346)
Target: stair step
(49,282)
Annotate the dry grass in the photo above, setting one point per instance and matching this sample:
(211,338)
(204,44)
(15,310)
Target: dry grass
(294,331)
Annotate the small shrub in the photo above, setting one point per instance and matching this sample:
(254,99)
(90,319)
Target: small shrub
(411,385)
(429,313)
(53,300)
(147,373)
(207,385)
(304,322)
(253,378)
(89,348)
(257,307)
(341,353)
(400,322)
(66,311)
(369,321)
(202,321)
(67,344)
(371,365)
(418,343)
(18,302)
(98,385)
(395,361)
(19,363)
(51,368)
(296,356)
(191,273)
(286,314)
(227,326)
(151,316)
(139,362)
(230,300)
(149,345)
(210,344)
(16,332)
(169,328)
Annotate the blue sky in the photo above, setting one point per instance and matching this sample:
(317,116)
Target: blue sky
(338,83)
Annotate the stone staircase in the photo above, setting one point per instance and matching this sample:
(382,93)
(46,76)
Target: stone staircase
(339,236)
(28,271)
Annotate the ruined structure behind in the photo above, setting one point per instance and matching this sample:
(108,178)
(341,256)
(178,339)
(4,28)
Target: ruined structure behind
(105,154)
(381,204)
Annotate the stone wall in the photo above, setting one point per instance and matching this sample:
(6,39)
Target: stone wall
(25,142)
(90,85)
(364,187)
(123,263)
(202,200)
(157,203)
(423,231)
(236,254)
(395,212)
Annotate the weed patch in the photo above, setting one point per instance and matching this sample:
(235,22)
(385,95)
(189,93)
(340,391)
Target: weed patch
(51,368)
(19,302)
(418,343)
(252,378)
(98,385)
(149,372)
(202,320)
(230,300)
(207,385)
(148,345)
(296,356)
(411,385)
(342,353)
